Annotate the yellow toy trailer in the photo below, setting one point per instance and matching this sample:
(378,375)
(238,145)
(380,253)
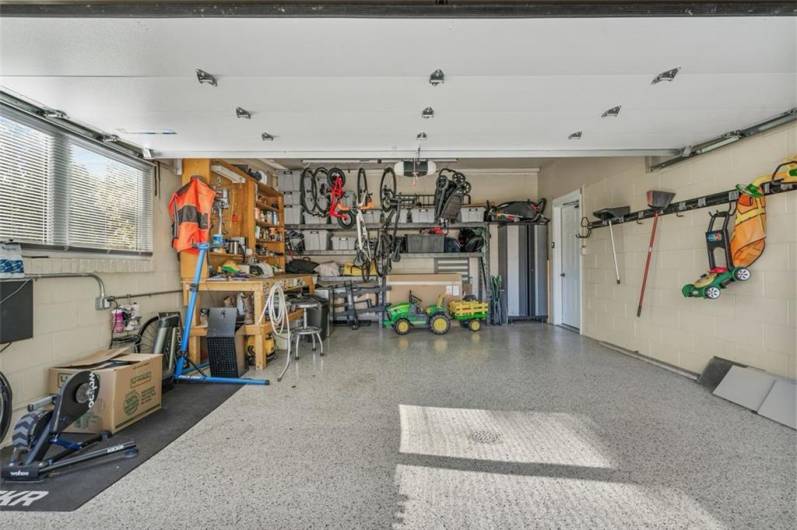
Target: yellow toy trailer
(470,313)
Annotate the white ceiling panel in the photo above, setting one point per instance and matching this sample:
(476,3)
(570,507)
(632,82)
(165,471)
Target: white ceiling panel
(357,86)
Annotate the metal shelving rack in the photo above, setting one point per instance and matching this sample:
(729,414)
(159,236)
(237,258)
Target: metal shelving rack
(484,255)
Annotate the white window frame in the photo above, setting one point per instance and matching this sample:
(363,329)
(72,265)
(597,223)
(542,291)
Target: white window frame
(62,139)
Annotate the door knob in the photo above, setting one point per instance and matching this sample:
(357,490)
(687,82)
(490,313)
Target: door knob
(562,275)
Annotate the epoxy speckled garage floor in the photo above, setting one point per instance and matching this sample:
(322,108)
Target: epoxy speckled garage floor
(528,426)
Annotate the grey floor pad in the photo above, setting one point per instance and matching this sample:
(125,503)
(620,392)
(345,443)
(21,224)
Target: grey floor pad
(747,387)
(780,404)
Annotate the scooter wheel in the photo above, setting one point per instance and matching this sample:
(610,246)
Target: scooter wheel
(742,274)
(712,293)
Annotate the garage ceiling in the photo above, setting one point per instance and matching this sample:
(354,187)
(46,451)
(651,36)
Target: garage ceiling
(355,88)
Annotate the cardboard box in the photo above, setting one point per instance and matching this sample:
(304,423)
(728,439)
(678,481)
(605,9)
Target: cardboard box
(427,287)
(130,388)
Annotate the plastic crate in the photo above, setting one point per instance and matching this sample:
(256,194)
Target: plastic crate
(422,215)
(344,241)
(293,215)
(289,180)
(315,219)
(423,243)
(471,214)
(316,240)
(372,216)
(291,198)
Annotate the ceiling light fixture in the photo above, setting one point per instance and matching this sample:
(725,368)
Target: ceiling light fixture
(668,75)
(54,114)
(575,136)
(612,112)
(241,112)
(227,173)
(421,136)
(205,78)
(267,137)
(437,78)
(427,113)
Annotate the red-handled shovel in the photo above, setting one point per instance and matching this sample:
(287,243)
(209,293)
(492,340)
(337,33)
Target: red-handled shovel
(658,200)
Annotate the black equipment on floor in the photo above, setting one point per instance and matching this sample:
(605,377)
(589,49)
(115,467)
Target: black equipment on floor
(222,355)
(41,430)
(522,262)
(321,317)
(6,400)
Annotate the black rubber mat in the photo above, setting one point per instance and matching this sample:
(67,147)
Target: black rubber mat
(182,408)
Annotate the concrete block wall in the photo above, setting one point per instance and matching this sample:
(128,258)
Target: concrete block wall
(754,322)
(66,325)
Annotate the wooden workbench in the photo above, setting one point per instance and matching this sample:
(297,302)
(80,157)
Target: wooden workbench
(259,288)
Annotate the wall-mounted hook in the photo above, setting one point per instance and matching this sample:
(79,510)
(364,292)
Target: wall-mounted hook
(639,218)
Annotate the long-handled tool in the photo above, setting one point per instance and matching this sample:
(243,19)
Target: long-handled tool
(658,200)
(609,215)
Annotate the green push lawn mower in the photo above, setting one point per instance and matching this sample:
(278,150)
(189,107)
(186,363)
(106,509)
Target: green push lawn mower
(404,316)
(709,285)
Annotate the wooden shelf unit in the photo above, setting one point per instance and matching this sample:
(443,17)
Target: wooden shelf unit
(256,213)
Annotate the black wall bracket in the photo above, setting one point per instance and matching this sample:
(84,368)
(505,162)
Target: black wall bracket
(706,201)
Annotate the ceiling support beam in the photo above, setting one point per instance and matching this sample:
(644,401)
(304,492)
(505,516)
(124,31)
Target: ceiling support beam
(406,9)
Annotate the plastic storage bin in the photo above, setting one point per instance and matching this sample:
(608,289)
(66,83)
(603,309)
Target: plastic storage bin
(344,241)
(471,214)
(372,216)
(422,215)
(291,198)
(293,215)
(316,240)
(422,243)
(315,219)
(289,180)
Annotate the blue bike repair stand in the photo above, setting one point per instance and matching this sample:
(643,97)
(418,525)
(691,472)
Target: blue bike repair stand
(179,367)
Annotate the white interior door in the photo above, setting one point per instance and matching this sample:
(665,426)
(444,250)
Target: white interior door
(571,297)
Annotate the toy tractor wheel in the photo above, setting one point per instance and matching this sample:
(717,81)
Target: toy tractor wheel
(712,293)
(402,326)
(439,324)
(741,274)
(475,325)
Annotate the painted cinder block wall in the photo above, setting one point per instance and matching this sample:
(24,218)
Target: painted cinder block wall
(754,322)
(66,325)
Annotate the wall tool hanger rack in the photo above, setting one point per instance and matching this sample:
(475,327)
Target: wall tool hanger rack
(706,201)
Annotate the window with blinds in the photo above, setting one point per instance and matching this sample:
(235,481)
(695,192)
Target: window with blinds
(61,191)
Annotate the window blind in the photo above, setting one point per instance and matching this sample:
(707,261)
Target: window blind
(60,191)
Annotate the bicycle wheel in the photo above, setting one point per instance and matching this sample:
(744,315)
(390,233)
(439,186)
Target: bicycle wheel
(361,260)
(382,254)
(334,174)
(307,192)
(362,187)
(6,400)
(321,189)
(387,189)
(147,336)
(346,219)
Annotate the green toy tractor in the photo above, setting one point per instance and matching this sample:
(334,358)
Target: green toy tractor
(404,316)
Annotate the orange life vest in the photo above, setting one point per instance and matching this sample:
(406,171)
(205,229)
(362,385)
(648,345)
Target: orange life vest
(189,209)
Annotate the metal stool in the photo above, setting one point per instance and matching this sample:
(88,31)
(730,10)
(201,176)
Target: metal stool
(314,332)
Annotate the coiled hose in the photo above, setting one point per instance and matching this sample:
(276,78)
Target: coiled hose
(278,314)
